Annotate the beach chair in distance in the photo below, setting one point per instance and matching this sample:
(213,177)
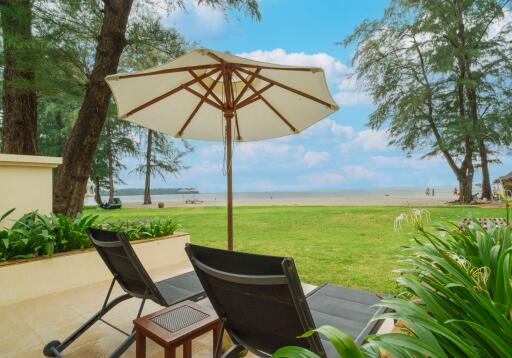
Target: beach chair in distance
(117,204)
(262,306)
(120,258)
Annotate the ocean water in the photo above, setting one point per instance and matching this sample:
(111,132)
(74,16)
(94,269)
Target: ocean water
(407,193)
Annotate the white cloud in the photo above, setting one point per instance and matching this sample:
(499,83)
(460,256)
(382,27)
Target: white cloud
(352,98)
(367,140)
(197,19)
(311,158)
(254,150)
(321,179)
(501,25)
(333,68)
(337,129)
(396,161)
(213,150)
(346,174)
(346,90)
(324,131)
(359,172)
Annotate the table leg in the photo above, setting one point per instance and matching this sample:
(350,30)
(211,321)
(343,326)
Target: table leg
(170,352)
(187,349)
(216,334)
(140,344)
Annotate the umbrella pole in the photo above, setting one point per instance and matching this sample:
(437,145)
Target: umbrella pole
(229,168)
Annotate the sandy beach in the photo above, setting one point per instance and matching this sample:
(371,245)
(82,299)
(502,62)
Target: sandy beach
(353,201)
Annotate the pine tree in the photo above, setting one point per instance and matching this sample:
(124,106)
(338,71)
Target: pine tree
(162,156)
(437,72)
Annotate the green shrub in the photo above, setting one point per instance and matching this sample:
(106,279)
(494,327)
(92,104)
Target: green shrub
(143,229)
(35,234)
(456,298)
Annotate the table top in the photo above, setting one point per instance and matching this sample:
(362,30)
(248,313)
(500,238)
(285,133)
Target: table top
(178,323)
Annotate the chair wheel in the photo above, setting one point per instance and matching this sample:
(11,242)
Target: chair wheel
(48,351)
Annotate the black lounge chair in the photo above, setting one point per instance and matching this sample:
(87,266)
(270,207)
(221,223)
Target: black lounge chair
(119,256)
(117,204)
(262,306)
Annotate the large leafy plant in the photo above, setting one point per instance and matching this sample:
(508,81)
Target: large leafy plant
(142,229)
(35,234)
(456,298)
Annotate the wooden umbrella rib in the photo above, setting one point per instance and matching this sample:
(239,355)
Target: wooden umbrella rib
(253,97)
(196,109)
(242,92)
(293,129)
(214,56)
(239,136)
(205,86)
(291,89)
(261,67)
(168,70)
(167,94)
(200,95)
(269,105)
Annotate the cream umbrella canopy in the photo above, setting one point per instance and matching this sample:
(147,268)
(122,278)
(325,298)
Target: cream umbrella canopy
(211,95)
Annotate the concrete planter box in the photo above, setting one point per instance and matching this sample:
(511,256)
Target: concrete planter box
(24,279)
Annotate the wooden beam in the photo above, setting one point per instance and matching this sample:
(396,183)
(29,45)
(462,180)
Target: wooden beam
(160,72)
(167,94)
(206,88)
(253,97)
(239,136)
(207,100)
(196,109)
(262,67)
(242,92)
(215,57)
(288,88)
(269,105)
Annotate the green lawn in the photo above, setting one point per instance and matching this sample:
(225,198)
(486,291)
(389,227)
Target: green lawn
(352,246)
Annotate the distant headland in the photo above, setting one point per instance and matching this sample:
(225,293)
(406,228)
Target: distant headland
(155,191)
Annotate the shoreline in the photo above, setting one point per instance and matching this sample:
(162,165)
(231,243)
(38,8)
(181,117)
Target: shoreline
(353,201)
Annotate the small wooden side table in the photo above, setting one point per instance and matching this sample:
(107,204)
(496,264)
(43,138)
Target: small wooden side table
(174,326)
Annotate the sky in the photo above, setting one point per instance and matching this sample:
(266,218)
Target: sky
(339,152)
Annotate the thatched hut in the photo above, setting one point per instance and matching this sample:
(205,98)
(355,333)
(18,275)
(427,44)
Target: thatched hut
(505,181)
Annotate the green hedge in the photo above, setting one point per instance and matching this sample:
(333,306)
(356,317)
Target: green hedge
(35,234)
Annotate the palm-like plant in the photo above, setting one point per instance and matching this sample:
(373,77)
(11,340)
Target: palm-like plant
(456,298)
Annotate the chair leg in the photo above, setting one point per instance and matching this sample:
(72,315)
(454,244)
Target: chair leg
(233,352)
(55,348)
(131,338)
(218,333)
(123,346)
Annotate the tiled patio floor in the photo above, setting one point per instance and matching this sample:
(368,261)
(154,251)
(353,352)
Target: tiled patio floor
(25,327)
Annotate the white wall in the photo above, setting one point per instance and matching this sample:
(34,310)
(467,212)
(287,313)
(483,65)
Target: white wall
(25,184)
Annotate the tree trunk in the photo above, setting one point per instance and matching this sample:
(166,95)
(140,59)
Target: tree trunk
(110,171)
(465,189)
(486,180)
(97,191)
(147,185)
(71,179)
(19,130)
(467,168)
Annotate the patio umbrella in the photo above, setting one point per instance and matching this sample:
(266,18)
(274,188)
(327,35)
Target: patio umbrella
(211,95)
